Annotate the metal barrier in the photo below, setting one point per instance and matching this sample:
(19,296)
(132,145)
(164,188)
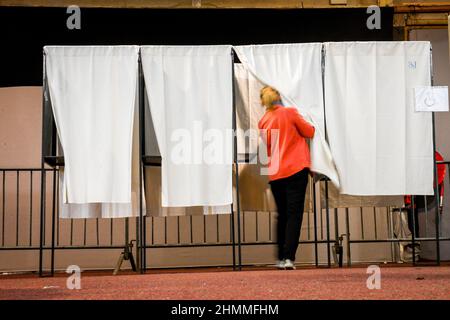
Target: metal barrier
(30,220)
(16,243)
(21,225)
(29,225)
(391,237)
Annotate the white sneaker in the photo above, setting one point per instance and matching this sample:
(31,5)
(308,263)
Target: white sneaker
(280,264)
(289,265)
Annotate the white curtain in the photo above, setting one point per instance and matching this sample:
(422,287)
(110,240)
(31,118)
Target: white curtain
(380,145)
(190,98)
(248,109)
(295,71)
(109,210)
(93,92)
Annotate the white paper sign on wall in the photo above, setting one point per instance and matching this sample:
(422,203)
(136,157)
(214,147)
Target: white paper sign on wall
(431,99)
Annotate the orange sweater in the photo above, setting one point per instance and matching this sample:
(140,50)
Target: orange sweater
(286,147)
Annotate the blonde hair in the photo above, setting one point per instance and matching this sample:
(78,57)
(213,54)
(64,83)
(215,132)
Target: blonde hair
(268,96)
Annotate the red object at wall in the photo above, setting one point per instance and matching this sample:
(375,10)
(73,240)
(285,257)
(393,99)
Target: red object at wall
(441,170)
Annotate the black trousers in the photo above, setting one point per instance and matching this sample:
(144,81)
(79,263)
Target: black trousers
(289,194)
(413,227)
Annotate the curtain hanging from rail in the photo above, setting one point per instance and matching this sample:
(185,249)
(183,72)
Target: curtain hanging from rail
(380,145)
(255,194)
(295,70)
(190,96)
(110,210)
(93,93)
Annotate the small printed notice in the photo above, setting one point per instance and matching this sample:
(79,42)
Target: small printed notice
(431,99)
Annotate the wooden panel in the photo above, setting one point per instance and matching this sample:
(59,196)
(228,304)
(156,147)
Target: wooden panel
(427,19)
(274,4)
(402,5)
(420,19)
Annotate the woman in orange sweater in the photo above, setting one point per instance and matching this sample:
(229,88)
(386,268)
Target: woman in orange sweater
(285,132)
